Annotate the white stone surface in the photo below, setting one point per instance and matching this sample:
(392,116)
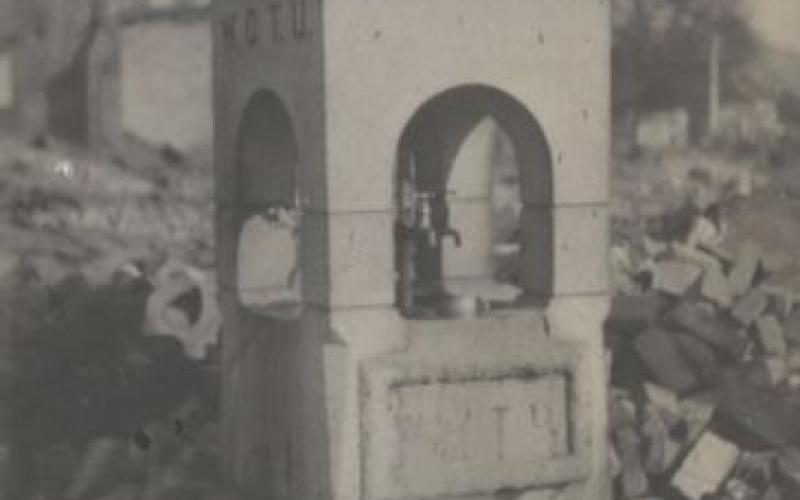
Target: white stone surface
(450,424)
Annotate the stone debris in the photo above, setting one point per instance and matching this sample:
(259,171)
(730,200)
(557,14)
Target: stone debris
(706,466)
(706,371)
(750,307)
(675,277)
(744,270)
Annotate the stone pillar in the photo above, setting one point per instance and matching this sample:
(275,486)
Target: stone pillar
(331,402)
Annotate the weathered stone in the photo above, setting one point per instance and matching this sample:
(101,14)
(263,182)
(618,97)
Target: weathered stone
(706,466)
(792,328)
(716,288)
(707,326)
(778,369)
(659,353)
(772,493)
(634,477)
(704,233)
(662,450)
(675,277)
(770,334)
(782,299)
(758,415)
(750,307)
(744,270)
(701,356)
(663,399)
(697,412)
(789,467)
(621,413)
(696,256)
(633,314)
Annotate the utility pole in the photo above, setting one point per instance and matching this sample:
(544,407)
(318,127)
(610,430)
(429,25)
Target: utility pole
(714,72)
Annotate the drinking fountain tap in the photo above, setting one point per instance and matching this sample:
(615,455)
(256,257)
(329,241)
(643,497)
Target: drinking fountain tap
(453,233)
(425,223)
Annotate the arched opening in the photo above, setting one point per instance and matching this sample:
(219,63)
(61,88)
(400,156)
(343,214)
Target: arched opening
(473,175)
(267,214)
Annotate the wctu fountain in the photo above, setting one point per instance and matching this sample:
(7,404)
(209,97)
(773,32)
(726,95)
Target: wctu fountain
(372,348)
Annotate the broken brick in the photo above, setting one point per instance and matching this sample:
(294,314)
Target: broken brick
(750,307)
(745,267)
(789,468)
(792,328)
(776,261)
(719,251)
(614,465)
(770,333)
(778,369)
(782,298)
(634,478)
(716,288)
(758,415)
(706,466)
(697,412)
(675,277)
(701,322)
(772,493)
(621,413)
(633,314)
(695,256)
(765,372)
(701,355)
(662,398)
(658,351)
(662,451)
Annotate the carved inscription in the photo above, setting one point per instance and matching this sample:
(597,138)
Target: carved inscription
(450,427)
(453,438)
(274,23)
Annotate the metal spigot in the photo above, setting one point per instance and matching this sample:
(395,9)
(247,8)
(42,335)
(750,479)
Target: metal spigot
(453,233)
(425,225)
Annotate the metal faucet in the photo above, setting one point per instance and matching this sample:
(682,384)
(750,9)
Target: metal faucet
(425,225)
(453,233)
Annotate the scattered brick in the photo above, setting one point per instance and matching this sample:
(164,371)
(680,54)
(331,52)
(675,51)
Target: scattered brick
(782,299)
(792,328)
(675,277)
(701,322)
(634,478)
(789,467)
(770,334)
(760,416)
(697,411)
(658,351)
(716,288)
(777,368)
(706,466)
(772,493)
(633,314)
(662,398)
(750,306)
(744,269)
(700,354)
(621,413)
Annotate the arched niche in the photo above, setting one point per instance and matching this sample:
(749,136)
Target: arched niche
(267,276)
(474,191)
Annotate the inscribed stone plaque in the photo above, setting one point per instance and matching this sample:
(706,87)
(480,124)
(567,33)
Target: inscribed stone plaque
(429,437)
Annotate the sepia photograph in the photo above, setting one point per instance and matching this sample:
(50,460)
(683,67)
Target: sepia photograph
(417,250)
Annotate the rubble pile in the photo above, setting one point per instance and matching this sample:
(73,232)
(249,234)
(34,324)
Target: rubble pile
(113,382)
(705,340)
(77,208)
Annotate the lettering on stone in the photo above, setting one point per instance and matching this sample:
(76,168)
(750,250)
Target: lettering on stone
(271,24)
(472,436)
